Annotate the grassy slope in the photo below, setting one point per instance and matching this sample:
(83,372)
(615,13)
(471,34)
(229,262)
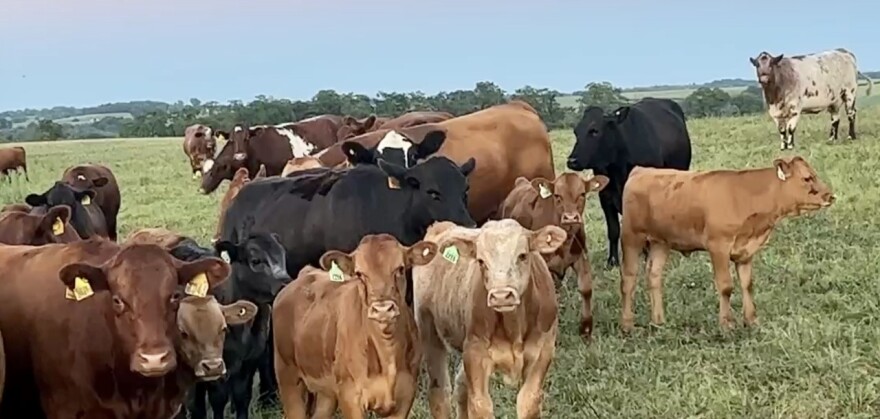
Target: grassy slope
(814,356)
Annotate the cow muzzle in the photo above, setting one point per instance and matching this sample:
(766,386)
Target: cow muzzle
(210,369)
(153,364)
(239,156)
(383,311)
(764,78)
(504,299)
(571,218)
(829,200)
(573,164)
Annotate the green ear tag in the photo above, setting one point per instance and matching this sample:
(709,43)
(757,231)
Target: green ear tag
(544,192)
(451,254)
(336,273)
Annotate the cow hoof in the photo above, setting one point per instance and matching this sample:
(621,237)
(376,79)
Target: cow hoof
(586,328)
(612,263)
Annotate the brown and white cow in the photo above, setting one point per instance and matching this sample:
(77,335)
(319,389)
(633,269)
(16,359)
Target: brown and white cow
(100,179)
(728,213)
(199,145)
(11,160)
(346,334)
(809,84)
(491,298)
(539,203)
(24,228)
(240,179)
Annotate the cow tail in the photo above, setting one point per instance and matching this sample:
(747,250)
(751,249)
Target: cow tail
(870,83)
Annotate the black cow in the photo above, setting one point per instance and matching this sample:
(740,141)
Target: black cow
(651,133)
(257,275)
(395,148)
(87,219)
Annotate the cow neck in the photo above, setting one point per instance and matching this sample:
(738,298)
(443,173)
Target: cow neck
(765,207)
(384,355)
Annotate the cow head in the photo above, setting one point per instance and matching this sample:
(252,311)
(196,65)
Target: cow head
(53,226)
(83,181)
(597,139)
(505,252)
(765,64)
(202,323)
(141,286)
(63,194)
(397,147)
(221,167)
(259,263)
(439,188)
(569,193)
(379,263)
(352,127)
(239,138)
(802,190)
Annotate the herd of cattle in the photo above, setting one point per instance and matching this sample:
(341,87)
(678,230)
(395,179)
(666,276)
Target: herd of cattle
(349,252)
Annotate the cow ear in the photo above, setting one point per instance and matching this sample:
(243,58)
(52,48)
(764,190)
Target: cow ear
(99,182)
(356,153)
(775,60)
(596,183)
(538,182)
(230,249)
(621,113)
(369,122)
(421,253)
(468,166)
(94,275)
(430,144)
(547,239)
(213,268)
(783,169)
(393,170)
(221,135)
(239,312)
(754,61)
(35,200)
(53,215)
(342,260)
(349,120)
(262,172)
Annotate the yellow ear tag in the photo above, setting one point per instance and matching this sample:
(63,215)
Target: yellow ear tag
(451,254)
(393,183)
(336,274)
(58,227)
(544,191)
(81,290)
(198,286)
(86,200)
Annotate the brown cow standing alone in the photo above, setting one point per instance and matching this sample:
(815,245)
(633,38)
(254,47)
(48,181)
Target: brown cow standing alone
(541,203)
(729,213)
(11,159)
(199,145)
(347,334)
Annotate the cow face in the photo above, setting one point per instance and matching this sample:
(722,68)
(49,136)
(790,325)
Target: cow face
(220,168)
(239,138)
(504,251)
(801,186)
(202,323)
(569,192)
(73,197)
(206,146)
(395,147)
(81,181)
(380,264)
(595,139)
(37,229)
(143,283)
(259,264)
(764,66)
(439,188)
(352,127)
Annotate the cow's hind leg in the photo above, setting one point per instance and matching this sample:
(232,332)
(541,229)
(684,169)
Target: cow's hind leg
(613,224)
(744,272)
(585,287)
(291,389)
(657,261)
(325,407)
(720,254)
(790,128)
(849,103)
(835,122)
(632,247)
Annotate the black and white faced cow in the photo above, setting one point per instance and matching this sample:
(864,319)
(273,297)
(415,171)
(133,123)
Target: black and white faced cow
(396,148)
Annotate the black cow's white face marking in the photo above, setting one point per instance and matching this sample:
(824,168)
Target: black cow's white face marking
(394,147)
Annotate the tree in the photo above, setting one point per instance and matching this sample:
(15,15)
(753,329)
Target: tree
(5,123)
(603,95)
(707,101)
(488,94)
(545,102)
(50,130)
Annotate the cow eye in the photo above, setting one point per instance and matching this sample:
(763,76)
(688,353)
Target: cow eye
(808,179)
(256,262)
(183,334)
(176,297)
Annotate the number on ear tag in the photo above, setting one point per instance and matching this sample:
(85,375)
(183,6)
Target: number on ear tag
(198,286)
(336,274)
(451,254)
(544,191)
(81,290)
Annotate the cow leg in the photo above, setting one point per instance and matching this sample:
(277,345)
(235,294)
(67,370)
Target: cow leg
(218,396)
(291,389)
(268,385)
(632,248)
(477,369)
(849,102)
(195,402)
(585,287)
(835,123)
(791,127)
(325,408)
(783,130)
(613,225)
(461,394)
(242,391)
(723,283)
(656,262)
(530,397)
(744,272)
(349,403)
(436,359)
(404,395)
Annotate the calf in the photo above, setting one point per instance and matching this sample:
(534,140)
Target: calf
(351,341)
(728,213)
(649,133)
(199,145)
(101,180)
(87,219)
(11,160)
(531,205)
(490,298)
(238,181)
(824,81)
(19,228)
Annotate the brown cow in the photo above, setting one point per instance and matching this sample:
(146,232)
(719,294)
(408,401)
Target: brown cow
(238,181)
(24,228)
(199,145)
(11,160)
(540,203)
(100,179)
(161,237)
(352,127)
(412,119)
(301,163)
(729,213)
(16,207)
(352,342)
(89,324)
(507,141)
(203,322)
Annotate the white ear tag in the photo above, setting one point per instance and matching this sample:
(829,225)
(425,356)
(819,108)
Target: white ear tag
(780,174)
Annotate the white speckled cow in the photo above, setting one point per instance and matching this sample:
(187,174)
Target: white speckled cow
(811,83)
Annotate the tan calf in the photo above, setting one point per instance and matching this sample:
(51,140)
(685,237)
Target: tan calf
(346,334)
(238,181)
(539,203)
(491,298)
(728,213)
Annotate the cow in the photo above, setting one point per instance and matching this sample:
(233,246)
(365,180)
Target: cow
(352,127)
(728,213)
(540,202)
(100,179)
(86,218)
(199,145)
(112,311)
(507,141)
(809,84)
(343,333)
(11,160)
(24,228)
(651,133)
(161,237)
(19,207)
(2,367)
(491,298)
(238,181)
(297,164)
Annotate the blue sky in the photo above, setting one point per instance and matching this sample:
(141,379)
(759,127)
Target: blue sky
(88,52)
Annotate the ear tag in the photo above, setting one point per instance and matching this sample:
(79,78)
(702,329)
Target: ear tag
(225,256)
(198,286)
(544,191)
(451,254)
(58,227)
(426,252)
(336,274)
(86,200)
(242,311)
(393,183)
(81,290)
(780,174)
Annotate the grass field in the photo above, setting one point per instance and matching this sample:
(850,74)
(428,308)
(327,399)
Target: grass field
(815,354)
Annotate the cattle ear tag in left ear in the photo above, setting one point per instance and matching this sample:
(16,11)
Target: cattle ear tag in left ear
(336,273)
(393,183)
(198,286)
(225,256)
(544,191)
(81,290)
(86,200)
(451,254)
(780,174)
(58,227)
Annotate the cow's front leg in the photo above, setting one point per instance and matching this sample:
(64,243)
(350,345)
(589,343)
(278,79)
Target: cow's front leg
(530,397)
(613,224)
(791,127)
(478,369)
